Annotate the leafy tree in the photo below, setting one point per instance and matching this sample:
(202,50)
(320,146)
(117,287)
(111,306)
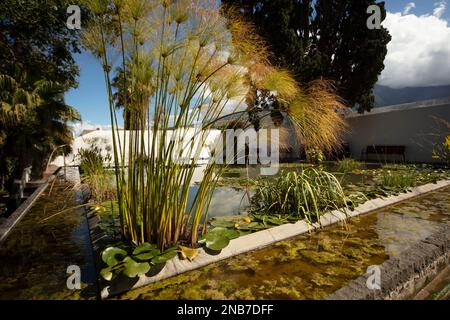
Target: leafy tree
(37,68)
(323,39)
(34,37)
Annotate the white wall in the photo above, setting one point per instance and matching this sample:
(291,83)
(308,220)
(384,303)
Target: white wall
(104,141)
(204,146)
(412,125)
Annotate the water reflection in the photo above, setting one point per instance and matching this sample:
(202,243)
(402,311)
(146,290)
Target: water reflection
(35,256)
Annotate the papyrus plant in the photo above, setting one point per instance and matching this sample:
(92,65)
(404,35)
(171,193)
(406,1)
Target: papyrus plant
(181,71)
(182,68)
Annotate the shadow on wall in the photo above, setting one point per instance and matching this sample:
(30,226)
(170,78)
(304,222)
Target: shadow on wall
(419,128)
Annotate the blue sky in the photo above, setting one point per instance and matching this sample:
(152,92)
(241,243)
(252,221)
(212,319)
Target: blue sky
(90,97)
(421,7)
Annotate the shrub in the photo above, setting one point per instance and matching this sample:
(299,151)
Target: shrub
(315,155)
(442,152)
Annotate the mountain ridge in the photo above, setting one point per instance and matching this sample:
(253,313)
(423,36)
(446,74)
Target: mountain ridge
(386,96)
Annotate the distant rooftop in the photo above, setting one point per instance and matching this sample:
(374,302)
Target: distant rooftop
(402,107)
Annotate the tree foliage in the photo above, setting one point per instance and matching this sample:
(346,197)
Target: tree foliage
(36,69)
(34,37)
(323,39)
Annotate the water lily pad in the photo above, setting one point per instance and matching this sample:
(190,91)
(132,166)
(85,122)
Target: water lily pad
(107,274)
(219,238)
(222,223)
(227,221)
(147,255)
(145,251)
(217,243)
(110,255)
(133,268)
(164,257)
(145,247)
(253,226)
(271,219)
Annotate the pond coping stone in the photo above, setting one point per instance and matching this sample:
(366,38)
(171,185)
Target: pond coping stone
(8,225)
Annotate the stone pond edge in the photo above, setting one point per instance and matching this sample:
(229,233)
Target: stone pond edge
(403,276)
(19,213)
(264,238)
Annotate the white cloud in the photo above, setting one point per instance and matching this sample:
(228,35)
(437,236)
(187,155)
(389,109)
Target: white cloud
(439,9)
(419,53)
(78,127)
(408,8)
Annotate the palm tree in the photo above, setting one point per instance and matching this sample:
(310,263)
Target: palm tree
(52,117)
(33,122)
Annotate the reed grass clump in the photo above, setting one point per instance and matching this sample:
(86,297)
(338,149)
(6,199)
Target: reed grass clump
(348,165)
(317,112)
(95,173)
(306,194)
(397,179)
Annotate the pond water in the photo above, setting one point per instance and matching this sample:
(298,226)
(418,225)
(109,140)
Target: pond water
(35,256)
(311,266)
(225,201)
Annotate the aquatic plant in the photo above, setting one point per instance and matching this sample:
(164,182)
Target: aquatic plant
(317,114)
(304,195)
(99,179)
(314,155)
(348,165)
(91,158)
(396,179)
(177,68)
(119,260)
(180,68)
(219,238)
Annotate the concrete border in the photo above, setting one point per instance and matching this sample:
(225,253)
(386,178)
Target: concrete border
(403,276)
(20,212)
(262,239)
